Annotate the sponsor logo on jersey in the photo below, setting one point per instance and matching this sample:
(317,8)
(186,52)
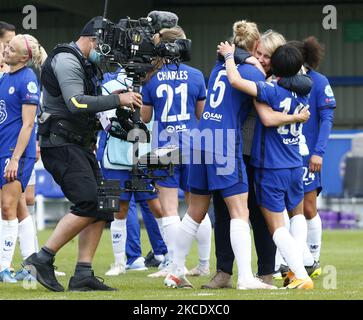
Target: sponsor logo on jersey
(212,116)
(177,128)
(291,141)
(170,129)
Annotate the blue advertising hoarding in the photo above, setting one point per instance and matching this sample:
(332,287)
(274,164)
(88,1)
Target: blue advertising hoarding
(339,146)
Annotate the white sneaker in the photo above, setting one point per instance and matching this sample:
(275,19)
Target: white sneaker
(59,273)
(161,273)
(254,284)
(116,269)
(198,271)
(164,272)
(137,265)
(173,281)
(6,276)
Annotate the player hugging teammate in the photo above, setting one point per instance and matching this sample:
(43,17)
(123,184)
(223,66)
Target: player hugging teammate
(282,106)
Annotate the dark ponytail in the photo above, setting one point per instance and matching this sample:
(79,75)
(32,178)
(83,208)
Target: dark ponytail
(312,51)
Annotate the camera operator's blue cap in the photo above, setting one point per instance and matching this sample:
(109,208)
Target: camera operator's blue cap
(89,30)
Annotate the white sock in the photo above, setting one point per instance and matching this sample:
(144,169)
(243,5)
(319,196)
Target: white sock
(279,260)
(187,231)
(204,237)
(159,221)
(286,219)
(241,246)
(289,250)
(299,231)
(8,242)
(27,237)
(31,210)
(118,237)
(159,257)
(170,226)
(314,236)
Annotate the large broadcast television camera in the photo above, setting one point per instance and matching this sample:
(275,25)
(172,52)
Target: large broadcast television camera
(129,44)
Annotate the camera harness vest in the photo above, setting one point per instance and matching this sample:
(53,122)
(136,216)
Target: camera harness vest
(61,124)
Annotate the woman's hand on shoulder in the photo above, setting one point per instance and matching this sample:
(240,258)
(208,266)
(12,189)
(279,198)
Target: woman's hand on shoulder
(225,48)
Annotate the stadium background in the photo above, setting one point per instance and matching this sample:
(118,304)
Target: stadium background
(208,22)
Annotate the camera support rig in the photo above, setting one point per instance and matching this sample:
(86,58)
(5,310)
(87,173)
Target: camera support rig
(129,44)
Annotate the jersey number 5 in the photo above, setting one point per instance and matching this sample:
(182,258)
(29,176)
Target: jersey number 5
(218,84)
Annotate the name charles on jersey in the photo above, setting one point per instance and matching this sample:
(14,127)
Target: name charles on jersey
(172,75)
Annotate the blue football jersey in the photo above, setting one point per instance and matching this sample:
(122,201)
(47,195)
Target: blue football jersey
(16,89)
(278,147)
(321,97)
(174,92)
(225,110)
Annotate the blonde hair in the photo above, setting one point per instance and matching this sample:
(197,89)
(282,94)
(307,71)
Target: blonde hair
(31,47)
(245,34)
(271,40)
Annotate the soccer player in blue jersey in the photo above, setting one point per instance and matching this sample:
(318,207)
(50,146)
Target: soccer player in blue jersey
(265,247)
(316,131)
(176,94)
(218,166)
(19,99)
(268,43)
(276,156)
(28,241)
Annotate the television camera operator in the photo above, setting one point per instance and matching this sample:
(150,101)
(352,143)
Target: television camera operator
(68,128)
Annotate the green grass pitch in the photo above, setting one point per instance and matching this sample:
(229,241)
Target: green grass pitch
(342,262)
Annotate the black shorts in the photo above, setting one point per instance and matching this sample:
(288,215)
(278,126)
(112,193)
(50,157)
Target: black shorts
(77,172)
